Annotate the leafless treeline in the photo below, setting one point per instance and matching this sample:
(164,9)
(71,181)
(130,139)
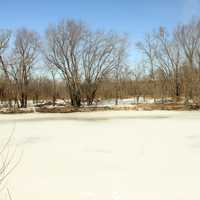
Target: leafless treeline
(77,63)
(174,61)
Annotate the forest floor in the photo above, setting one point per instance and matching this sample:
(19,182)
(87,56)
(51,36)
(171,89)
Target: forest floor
(70,109)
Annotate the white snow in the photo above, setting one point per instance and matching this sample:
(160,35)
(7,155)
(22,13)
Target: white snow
(128,101)
(119,155)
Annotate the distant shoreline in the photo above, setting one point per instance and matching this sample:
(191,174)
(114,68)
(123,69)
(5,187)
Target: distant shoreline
(70,109)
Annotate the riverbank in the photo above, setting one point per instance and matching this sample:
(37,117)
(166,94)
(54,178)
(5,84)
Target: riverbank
(70,109)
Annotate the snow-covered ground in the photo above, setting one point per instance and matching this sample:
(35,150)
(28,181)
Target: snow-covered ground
(128,101)
(118,155)
(107,102)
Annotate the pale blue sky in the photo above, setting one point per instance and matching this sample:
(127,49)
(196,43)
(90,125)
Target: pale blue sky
(129,16)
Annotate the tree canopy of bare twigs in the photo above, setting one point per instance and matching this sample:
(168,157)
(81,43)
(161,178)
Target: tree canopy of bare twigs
(83,57)
(85,65)
(23,59)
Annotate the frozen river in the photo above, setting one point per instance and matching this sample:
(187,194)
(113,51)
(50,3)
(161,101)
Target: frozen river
(119,155)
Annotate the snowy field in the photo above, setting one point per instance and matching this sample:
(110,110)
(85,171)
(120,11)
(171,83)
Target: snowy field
(119,155)
(107,102)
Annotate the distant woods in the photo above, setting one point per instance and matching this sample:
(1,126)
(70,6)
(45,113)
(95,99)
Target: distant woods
(73,62)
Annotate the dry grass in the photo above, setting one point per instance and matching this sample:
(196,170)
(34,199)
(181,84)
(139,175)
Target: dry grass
(148,107)
(70,109)
(16,110)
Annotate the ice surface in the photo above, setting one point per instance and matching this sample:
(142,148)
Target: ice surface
(120,155)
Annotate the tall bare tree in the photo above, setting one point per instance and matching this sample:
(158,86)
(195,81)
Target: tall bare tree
(63,52)
(102,53)
(148,48)
(121,66)
(168,57)
(5,36)
(188,36)
(23,60)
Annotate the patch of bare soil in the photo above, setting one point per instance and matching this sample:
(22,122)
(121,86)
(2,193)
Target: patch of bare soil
(168,106)
(16,110)
(70,109)
(148,107)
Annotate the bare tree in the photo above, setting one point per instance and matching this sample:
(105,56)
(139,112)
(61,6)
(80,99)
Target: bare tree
(23,60)
(63,52)
(137,76)
(102,53)
(83,57)
(188,36)
(149,47)
(168,57)
(9,161)
(53,73)
(4,43)
(5,36)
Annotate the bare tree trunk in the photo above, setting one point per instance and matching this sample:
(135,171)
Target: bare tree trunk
(75,97)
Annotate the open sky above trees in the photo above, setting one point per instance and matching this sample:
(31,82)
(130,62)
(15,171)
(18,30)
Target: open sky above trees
(130,16)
